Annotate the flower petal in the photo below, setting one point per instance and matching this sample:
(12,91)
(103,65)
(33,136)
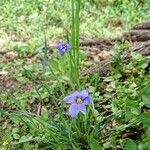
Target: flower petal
(62,51)
(61,48)
(84,94)
(82,108)
(88,100)
(71,98)
(68,46)
(73,110)
(60,45)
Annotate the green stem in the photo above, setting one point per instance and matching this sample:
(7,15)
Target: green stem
(75,43)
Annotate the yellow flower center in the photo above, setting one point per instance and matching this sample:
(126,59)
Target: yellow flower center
(5,143)
(79,101)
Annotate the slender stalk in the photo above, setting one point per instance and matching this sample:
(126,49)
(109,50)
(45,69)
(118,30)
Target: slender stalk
(75,43)
(46,63)
(73,30)
(77,33)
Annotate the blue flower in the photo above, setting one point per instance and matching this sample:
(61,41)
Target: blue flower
(63,48)
(78,101)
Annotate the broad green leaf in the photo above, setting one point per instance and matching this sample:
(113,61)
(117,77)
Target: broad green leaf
(145,93)
(145,119)
(94,145)
(130,145)
(3,148)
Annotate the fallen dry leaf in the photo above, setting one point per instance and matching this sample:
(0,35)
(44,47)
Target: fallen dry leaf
(3,72)
(96,59)
(105,54)
(10,55)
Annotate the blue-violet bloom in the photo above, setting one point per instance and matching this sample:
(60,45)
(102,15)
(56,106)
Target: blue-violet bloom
(63,48)
(78,101)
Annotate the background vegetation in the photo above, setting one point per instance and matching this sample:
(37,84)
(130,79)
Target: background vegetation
(32,115)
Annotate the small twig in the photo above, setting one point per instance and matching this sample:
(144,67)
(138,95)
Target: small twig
(39,107)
